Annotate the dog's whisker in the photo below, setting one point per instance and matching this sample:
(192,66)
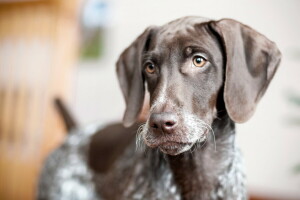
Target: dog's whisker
(203,144)
(202,140)
(139,135)
(164,156)
(196,145)
(210,130)
(191,152)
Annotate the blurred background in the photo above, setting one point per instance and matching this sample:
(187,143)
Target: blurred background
(68,49)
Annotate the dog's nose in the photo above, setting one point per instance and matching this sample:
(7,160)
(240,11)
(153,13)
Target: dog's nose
(165,122)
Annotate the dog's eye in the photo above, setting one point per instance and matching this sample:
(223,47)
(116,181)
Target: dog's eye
(199,61)
(150,68)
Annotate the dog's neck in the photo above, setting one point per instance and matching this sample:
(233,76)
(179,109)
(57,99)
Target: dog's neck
(203,174)
(197,172)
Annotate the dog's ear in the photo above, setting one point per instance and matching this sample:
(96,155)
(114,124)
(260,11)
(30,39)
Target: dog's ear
(131,80)
(251,62)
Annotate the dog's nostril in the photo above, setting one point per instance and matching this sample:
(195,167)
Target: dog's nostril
(154,126)
(163,122)
(169,124)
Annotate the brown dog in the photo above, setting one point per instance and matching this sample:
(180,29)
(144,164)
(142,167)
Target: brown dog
(202,76)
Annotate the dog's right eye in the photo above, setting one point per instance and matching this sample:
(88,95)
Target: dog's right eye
(199,61)
(150,68)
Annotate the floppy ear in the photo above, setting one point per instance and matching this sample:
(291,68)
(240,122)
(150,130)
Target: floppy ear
(131,80)
(251,62)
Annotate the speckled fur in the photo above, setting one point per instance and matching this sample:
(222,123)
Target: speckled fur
(211,168)
(65,174)
(147,174)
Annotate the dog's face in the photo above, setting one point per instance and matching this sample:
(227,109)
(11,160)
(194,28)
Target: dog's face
(183,70)
(186,65)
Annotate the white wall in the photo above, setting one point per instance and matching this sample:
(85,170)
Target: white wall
(270,144)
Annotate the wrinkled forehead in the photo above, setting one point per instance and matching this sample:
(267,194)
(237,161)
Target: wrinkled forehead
(182,33)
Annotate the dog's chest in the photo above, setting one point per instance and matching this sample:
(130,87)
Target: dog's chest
(137,177)
(149,176)
(143,186)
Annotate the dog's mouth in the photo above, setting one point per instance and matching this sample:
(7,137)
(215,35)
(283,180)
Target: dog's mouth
(174,148)
(174,145)
(190,131)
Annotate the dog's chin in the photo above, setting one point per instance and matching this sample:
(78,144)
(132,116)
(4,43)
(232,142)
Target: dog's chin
(174,148)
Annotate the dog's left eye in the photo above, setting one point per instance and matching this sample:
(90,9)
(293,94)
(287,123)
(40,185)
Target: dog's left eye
(199,61)
(150,68)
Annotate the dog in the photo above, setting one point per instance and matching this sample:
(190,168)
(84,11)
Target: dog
(202,76)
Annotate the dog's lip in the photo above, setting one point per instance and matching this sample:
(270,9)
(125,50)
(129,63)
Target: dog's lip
(174,148)
(169,144)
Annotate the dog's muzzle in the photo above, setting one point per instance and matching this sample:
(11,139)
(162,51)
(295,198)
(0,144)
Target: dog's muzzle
(174,133)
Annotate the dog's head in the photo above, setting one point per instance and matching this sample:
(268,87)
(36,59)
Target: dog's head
(187,65)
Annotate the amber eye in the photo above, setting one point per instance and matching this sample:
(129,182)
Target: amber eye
(199,61)
(150,68)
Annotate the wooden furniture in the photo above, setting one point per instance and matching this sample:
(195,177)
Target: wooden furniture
(38,47)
